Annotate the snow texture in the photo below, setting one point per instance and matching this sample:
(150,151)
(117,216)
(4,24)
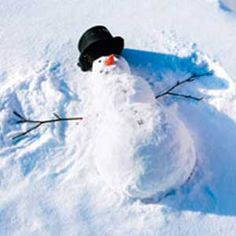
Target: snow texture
(51,180)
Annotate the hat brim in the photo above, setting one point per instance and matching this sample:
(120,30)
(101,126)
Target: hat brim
(100,48)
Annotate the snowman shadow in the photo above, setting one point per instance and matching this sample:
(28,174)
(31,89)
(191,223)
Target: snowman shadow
(211,188)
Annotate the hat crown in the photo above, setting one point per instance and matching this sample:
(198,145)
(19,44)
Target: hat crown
(93,35)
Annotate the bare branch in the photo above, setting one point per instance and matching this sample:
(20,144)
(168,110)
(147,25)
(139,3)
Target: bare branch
(27,131)
(185,96)
(56,115)
(191,78)
(18,115)
(39,122)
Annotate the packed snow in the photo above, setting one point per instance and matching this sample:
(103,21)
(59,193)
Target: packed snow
(72,178)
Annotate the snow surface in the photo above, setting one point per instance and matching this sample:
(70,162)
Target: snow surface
(49,184)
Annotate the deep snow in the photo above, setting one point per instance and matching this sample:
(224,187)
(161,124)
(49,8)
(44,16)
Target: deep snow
(48,183)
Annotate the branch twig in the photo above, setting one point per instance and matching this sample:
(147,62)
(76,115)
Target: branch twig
(38,123)
(191,78)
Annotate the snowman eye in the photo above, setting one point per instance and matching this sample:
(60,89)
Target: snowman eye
(99,61)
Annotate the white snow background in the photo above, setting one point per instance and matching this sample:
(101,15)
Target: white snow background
(48,184)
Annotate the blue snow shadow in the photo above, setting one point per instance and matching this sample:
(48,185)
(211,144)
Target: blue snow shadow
(212,188)
(228,7)
(155,67)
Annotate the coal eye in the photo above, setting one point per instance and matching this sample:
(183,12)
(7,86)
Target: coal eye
(99,61)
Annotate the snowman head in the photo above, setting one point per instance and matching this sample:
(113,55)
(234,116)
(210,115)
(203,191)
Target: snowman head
(112,64)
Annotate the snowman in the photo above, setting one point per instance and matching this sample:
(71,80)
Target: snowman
(140,148)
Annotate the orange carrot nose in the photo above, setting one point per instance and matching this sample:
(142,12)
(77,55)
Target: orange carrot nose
(110,60)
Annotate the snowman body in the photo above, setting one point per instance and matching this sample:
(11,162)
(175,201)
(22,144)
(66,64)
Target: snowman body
(140,148)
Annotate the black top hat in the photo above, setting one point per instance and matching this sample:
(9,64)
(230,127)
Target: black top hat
(96,42)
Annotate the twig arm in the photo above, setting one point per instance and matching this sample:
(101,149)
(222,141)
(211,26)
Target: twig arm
(186,96)
(191,78)
(26,132)
(38,123)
